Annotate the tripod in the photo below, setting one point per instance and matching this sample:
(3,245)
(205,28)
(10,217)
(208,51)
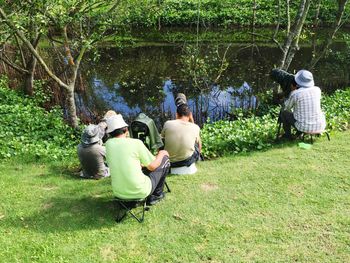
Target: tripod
(279,122)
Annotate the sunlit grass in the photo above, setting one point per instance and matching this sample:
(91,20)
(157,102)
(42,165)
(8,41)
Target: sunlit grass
(285,204)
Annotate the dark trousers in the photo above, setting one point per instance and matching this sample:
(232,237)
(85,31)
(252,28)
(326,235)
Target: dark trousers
(158,176)
(288,120)
(190,160)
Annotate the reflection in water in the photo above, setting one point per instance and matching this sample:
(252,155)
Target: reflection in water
(217,104)
(147,78)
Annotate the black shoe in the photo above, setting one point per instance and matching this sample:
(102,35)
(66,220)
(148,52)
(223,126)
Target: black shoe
(287,137)
(153,199)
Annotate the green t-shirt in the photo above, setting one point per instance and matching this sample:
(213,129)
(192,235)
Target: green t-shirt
(124,157)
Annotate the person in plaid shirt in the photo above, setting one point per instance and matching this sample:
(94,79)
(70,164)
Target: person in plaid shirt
(302,109)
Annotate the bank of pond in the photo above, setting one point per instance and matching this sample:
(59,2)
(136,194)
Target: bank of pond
(28,130)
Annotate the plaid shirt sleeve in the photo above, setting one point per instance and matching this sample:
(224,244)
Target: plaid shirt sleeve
(290,102)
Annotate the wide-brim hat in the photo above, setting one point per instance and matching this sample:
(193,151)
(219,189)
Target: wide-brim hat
(109,114)
(115,122)
(304,78)
(90,134)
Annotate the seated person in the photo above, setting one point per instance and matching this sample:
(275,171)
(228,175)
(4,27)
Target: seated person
(103,125)
(92,154)
(302,109)
(126,157)
(181,138)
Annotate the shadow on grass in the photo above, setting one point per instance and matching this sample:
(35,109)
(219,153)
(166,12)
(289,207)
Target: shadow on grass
(70,214)
(68,172)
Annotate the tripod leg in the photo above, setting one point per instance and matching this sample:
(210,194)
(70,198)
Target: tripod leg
(278,129)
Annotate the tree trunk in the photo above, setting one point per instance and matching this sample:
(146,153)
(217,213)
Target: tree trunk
(288,16)
(29,76)
(71,108)
(291,42)
(315,26)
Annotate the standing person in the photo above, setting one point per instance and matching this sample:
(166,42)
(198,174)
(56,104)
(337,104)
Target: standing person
(92,154)
(126,157)
(302,109)
(182,138)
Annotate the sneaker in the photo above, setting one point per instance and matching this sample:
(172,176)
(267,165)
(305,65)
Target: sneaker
(83,176)
(153,199)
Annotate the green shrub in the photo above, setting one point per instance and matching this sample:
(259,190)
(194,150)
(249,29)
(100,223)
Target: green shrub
(29,130)
(257,133)
(212,12)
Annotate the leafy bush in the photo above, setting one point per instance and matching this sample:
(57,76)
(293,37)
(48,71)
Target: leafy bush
(224,12)
(28,130)
(337,110)
(257,133)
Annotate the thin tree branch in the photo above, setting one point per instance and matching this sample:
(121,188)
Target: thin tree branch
(24,63)
(7,61)
(21,35)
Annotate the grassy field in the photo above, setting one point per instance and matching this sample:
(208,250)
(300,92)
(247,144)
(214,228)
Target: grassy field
(286,204)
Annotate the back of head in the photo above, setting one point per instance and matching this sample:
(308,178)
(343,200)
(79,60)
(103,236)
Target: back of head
(183,110)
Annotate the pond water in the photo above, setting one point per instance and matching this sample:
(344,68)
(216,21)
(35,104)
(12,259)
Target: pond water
(146,76)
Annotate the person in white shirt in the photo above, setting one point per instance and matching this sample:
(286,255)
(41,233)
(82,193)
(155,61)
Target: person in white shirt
(302,109)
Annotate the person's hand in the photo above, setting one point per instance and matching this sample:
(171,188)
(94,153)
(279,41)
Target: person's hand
(163,153)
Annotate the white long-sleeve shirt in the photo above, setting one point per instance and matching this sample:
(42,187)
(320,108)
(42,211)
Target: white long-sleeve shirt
(306,106)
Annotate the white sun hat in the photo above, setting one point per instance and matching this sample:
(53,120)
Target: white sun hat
(115,122)
(304,78)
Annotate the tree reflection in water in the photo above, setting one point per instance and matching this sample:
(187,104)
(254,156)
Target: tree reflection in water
(146,79)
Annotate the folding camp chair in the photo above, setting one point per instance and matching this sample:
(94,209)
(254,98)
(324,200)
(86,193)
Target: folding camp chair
(125,207)
(311,135)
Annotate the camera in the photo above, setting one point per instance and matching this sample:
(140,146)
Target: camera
(283,78)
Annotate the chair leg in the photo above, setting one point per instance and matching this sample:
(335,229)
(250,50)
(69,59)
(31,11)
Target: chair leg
(128,210)
(122,211)
(167,187)
(139,219)
(328,136)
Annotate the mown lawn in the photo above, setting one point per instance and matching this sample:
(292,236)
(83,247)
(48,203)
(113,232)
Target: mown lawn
(286,204)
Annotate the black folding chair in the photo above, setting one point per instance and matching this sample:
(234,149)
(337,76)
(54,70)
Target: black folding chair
(126,206)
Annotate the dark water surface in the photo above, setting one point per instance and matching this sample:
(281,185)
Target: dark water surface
(146,77)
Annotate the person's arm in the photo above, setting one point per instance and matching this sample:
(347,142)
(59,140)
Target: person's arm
(102,150)
(191,118)
(289,103)
(200,145)
(155,164)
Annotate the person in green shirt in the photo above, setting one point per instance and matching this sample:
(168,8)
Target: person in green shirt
(126,158)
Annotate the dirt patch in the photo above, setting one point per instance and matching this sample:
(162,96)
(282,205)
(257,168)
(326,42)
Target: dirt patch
(296,190)
(107,253)
(207,187)
(47,206)
(50,188)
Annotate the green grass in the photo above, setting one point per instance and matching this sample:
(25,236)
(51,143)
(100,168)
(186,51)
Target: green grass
(282,205)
